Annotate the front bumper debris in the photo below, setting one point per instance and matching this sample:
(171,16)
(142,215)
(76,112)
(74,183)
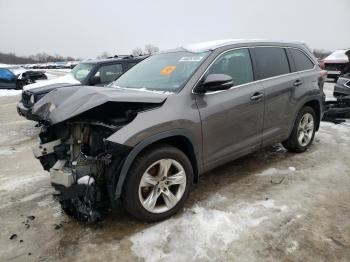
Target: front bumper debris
(45,149)
(61,176)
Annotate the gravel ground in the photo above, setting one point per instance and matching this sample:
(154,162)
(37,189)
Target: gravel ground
(269,206)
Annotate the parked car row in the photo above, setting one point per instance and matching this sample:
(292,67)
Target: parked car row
(89,73)
(16,77)
(53,65)
(146,138)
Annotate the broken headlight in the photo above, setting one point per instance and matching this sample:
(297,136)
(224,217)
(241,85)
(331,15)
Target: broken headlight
(44,111)
(32,99)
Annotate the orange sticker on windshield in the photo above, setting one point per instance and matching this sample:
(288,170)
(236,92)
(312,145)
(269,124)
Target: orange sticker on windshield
(167,70)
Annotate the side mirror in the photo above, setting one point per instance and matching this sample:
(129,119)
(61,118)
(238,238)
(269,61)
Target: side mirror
(95,80)
(215,82)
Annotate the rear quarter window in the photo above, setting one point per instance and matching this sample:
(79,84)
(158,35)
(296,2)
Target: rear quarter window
(270,62)
(301,61)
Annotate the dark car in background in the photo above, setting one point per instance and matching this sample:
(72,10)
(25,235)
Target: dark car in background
(335,63)
(342,87)
(88,73)
(16,77)
(147,138)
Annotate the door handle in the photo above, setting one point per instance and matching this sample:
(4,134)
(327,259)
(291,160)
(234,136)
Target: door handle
(297,82)
(257,96)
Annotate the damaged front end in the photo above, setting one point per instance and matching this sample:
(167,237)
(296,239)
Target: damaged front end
(77,158)
(83,164)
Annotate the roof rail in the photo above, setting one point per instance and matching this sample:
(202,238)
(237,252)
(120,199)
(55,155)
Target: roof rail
(121,56)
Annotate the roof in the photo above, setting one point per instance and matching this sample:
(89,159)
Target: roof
(211,45)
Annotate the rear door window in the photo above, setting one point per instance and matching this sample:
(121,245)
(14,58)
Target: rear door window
(301,61)
(237,64)
(270,62)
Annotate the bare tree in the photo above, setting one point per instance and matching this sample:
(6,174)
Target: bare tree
(321,53)
(104,55)
(12,58)
(137,51)
(150,49)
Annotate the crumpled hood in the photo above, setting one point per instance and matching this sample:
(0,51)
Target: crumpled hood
(65,103)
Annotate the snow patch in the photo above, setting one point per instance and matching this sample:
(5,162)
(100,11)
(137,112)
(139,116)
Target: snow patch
(32,196)
(142,89)
(6,152)
(198,233)
(9,92)
(292,168)
(293,245)
(14,182)
(268,172)
(274,171)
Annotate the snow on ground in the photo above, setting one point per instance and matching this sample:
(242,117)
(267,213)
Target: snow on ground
(10,184)
(212,230)
(49,76)
(10,92)
(273,171)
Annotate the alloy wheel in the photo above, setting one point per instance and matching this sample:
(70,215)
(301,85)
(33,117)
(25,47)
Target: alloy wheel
(306,129)
(162,185)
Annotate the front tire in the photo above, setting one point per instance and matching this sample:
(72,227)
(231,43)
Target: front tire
(19,85)
(158,183)
(303,131)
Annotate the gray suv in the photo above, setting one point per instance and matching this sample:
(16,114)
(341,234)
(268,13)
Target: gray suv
(148,137)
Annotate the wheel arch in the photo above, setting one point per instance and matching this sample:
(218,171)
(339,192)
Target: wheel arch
(316,106)
(179,138)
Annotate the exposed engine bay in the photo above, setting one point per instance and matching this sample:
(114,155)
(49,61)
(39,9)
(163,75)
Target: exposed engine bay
(83,166)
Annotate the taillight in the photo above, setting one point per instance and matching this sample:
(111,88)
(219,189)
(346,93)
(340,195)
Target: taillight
(321,64)
(323,73)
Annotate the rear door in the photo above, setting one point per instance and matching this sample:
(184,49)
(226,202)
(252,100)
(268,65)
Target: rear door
(273,69)
(308,79)
(231,119)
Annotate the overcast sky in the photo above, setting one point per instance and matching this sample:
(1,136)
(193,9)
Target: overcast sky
(86,28)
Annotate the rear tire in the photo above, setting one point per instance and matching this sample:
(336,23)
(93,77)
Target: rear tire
(158,183)
(303,131)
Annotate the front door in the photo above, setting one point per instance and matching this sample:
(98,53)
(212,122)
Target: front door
(232,120)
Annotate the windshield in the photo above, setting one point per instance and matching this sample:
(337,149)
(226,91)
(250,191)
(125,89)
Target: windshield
(81,71)
(166,72)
